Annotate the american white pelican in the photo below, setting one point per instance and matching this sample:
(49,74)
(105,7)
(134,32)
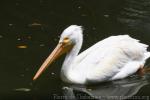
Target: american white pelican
(115,57)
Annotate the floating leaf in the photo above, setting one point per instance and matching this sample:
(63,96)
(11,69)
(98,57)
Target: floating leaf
(22,46)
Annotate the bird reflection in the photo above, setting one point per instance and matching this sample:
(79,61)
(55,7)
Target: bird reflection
(115,90)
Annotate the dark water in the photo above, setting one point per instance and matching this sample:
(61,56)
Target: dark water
(29,30)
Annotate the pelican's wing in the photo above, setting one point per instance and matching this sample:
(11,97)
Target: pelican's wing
(110,56)
(104,43)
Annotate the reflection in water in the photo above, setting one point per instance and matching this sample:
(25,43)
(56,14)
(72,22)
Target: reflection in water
(22,89)
(34,24)
(136,15)
(1,36)
(115,90)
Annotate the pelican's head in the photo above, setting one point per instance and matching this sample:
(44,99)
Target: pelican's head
(70,37)
(71,34)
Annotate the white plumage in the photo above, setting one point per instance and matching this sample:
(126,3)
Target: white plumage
(115,57)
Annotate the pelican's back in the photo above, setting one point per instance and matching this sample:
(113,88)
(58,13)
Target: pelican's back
(112,58)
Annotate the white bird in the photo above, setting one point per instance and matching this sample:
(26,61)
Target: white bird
(115,57)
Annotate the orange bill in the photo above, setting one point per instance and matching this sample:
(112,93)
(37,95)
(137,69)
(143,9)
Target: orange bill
(60,49)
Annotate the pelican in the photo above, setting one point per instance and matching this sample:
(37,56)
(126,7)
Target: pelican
(115,57)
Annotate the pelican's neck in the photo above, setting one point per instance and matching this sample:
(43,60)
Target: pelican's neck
(70,57)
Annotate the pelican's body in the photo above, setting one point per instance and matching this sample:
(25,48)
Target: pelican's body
(115,57)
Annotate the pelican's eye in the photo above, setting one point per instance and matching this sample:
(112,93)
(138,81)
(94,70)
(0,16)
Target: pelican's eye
(66,38)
